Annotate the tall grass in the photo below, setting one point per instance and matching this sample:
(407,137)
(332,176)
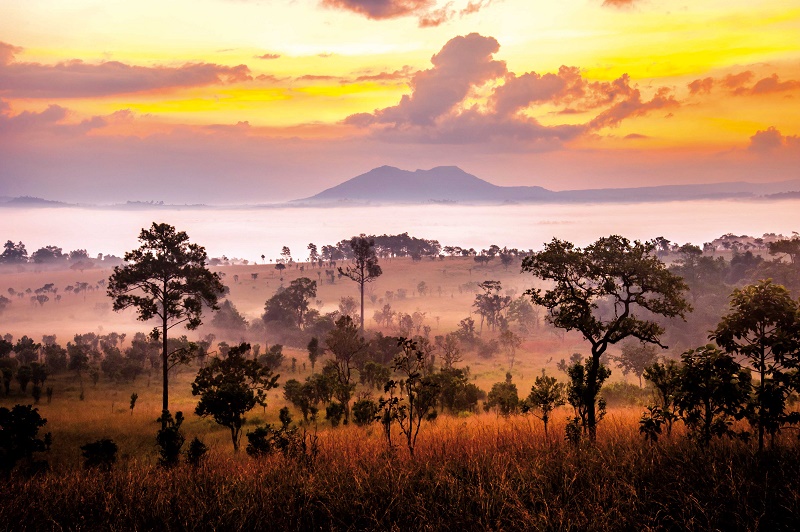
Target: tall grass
(481,473)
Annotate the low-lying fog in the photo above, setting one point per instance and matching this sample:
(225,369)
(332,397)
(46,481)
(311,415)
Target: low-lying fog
(249,233)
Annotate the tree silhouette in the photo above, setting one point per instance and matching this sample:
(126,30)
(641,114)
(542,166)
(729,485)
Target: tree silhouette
(608,292)
(165,278)
(364,268)
(231,387)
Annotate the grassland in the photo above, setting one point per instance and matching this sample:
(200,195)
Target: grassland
(476,472)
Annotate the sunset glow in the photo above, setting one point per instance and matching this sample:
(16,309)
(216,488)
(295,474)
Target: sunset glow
(297,96)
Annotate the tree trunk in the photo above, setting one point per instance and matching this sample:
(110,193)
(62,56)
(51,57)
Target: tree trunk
(362,305)
(591,393)
(164,371)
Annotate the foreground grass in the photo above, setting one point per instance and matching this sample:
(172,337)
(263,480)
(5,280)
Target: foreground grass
(476,474)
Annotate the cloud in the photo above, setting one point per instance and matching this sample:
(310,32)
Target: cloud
(381,9)
(771,140)
(633,106)
(701,86)
(75,79)
(619,3)
(463,63)
(736,81)
(461,100)
(403,74)
(7,52)
(773,84)
(268,56)
(436,17)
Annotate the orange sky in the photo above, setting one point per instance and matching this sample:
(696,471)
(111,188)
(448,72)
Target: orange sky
(259,101)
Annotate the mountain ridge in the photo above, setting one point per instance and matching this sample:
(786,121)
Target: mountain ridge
(452,184)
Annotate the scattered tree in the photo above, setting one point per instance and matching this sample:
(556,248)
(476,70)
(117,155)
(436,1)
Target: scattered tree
(167,278)
(364,268)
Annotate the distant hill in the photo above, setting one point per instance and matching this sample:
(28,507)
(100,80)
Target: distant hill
(30,201)
(445,184)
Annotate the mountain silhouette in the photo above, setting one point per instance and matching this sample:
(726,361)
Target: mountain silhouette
(387,184)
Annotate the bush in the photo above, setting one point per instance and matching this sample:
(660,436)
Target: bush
(170,439)
(19,430)
(100,454)
(364,411)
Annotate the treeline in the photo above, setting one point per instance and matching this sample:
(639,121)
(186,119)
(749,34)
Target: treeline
(17,254)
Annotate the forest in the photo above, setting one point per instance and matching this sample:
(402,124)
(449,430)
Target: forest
(390,382)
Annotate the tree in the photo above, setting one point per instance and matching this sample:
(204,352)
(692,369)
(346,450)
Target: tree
(411,399)
(490,303)
(546,395)
(19,431)
(666,379)
(764,328)
(364,268)
(346,345)
(789,247)
(14,253)
(27,350)
(289,305)
(231,387)
(584,398)
(314,351)
(714,391)
(165,278)
(504,397)
(608,292)
(635,358)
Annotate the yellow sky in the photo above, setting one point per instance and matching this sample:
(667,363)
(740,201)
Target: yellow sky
(332,62)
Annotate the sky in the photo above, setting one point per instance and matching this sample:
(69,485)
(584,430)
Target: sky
(256,101)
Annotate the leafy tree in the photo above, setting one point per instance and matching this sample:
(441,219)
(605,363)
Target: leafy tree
(229,318)
(510,343)
(449,349)
(19,431)
(666,380)
(546,395)
(764,328)
(582,396)
(314,351)
(504,397)
(48,254)
(364,411)
(490,304)
(196,452)
(14,253)
(608,292)
(635,358)
(364,268)
(27,350)
(289,305)
(715,390)
(455,393)
(412,398)
(231,387)
(134,397)
(165,278)
(55,357)
(788,247)
(346,345)
(24,375)
(170,439)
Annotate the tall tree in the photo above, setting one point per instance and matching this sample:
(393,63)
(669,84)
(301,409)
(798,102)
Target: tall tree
(364,268)
(763,327)
(608,292)
(165,278)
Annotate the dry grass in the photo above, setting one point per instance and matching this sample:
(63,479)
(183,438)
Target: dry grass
(481,473)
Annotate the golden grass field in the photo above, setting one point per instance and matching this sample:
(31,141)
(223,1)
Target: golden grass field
(475,472)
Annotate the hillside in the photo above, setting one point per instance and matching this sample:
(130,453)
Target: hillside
(388,184)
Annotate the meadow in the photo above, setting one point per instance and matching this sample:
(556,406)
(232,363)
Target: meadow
(476,471)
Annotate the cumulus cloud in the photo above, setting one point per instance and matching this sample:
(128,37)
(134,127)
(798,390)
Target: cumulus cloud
(774,84)
(75,79)
(739,84)
(701,86)
(771,140)
(467,96)
(463,63)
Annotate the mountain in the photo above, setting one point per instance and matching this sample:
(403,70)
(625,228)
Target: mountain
(388,184)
